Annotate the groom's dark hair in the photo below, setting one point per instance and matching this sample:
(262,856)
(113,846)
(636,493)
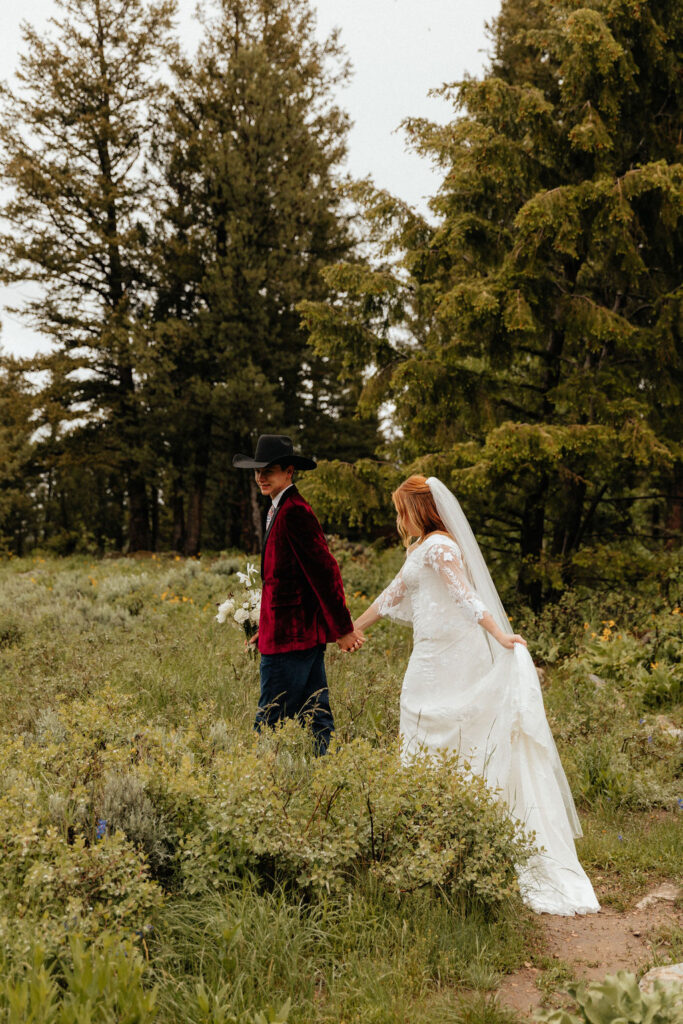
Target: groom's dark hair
(284,466)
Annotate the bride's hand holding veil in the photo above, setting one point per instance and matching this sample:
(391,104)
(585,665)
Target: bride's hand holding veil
(507,640)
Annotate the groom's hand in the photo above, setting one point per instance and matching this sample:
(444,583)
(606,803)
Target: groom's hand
(351,641)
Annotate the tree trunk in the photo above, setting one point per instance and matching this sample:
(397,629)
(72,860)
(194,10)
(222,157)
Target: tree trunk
(139,538)
(195,511)
(256,513)
(155,517)
(568,528)
(178,504)
(529,581)
(673,522)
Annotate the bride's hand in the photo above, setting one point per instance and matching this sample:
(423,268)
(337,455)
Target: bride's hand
(509,640)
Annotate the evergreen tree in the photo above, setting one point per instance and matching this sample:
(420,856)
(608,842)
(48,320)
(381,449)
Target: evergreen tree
(530,341)
(251,149)
(17,515)
(74,139)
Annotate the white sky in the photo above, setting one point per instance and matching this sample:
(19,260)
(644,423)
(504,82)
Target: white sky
(400,49)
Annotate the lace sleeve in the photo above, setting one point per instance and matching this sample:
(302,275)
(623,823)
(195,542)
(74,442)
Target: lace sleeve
(394,602)
(446,560)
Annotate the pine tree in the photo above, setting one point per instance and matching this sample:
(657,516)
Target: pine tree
(251,149)
(74,139)
(17,515)
(531,340)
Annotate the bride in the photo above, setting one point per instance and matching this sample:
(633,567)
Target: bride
(471,687)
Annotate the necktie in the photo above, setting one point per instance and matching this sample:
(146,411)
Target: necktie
(269,517)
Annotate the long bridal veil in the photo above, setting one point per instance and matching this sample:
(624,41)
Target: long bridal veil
(529,773)
(457,524)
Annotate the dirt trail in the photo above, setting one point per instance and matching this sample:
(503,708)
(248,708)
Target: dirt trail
(592,946)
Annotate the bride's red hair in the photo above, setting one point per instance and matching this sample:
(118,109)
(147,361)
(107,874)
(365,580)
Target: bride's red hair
(414,503)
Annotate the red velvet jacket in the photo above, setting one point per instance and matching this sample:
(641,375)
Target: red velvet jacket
(303,595)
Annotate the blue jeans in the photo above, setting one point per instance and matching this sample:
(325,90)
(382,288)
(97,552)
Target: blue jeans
(294,685)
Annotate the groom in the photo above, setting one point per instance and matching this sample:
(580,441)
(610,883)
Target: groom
(302,604)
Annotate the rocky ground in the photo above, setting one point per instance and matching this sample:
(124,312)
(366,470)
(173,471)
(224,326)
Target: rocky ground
(591,947)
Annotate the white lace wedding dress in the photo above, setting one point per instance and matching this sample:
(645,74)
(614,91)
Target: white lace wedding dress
(457,696)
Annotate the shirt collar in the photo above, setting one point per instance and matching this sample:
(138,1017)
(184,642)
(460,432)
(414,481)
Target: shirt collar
(276,499)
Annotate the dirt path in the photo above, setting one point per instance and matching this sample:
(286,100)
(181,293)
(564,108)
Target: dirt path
(591,947)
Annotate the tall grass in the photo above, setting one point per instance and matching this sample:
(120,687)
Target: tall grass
(140,638)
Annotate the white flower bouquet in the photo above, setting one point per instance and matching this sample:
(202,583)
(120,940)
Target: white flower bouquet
(244,609)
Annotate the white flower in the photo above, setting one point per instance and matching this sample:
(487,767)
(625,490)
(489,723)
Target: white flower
(255,615)
(246,577)
(225,609)
(241,616)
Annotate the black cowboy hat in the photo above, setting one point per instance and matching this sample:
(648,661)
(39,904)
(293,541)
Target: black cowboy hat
(272,449)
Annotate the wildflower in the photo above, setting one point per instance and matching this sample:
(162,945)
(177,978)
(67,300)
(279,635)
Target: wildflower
(101,828)
(620,838)
(225,609)
(246,577)
(649,739)
(241,616)
(641,721)
(680,802)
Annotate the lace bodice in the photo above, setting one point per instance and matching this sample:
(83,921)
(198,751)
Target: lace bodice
(431,592)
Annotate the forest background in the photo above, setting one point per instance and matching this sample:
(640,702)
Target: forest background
(207,273)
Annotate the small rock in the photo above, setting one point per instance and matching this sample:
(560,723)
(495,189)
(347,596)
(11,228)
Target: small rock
(667,891)
(671,975)
(667,726)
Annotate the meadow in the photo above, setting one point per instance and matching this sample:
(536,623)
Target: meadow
(159,862)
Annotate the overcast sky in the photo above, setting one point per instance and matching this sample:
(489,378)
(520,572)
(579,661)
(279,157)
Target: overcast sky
(400,49)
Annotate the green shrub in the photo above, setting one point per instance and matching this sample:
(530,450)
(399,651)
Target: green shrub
(618,1000)
(97,983)
(661,686)
(315,823)
(11,630)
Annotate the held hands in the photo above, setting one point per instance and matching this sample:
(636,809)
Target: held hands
(351,641)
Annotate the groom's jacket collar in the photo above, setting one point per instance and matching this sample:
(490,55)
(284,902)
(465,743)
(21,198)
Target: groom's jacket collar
(288,493)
